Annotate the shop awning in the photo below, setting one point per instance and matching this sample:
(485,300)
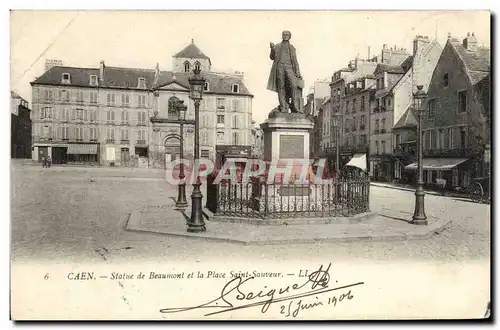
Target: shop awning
(82,149)
(359,161)
(437,163)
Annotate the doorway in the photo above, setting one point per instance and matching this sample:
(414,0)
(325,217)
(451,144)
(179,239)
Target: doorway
(172,149)
(125,156)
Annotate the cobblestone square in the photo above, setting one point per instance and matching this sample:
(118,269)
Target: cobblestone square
(78,214)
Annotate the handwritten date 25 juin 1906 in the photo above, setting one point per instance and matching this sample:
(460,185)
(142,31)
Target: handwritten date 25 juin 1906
(314,292)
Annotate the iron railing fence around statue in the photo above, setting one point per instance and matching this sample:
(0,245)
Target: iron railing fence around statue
(336,197)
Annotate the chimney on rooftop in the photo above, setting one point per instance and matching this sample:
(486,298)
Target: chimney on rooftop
(419,43)
(101,71)
(470,43)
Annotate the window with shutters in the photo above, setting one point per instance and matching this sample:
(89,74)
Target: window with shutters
(124,135)
(46,113)
(93,115)
(65,133)
(79,96)
(235,138)
(377,147)
(377,126)
(47,95)
(110,99)
(110,116)
(124,117)
(141,137)
(65,114)
(110,135)
(141,101)
(141,118)
(93,97)
(441,139)
(125,99)
(64,95)
(79,114)
(93,134)
(236,105)
(86,115)
(79,133)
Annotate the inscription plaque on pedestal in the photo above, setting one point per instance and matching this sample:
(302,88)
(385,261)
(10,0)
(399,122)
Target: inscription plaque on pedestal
(291,146)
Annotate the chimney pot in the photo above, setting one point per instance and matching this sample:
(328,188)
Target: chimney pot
(468,34)
(473,34)
(449,35)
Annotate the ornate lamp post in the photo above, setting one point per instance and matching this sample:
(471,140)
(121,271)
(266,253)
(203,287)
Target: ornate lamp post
(419,217)
(196,223)
(181,187)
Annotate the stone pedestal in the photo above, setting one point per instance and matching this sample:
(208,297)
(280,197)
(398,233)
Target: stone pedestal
(286,136)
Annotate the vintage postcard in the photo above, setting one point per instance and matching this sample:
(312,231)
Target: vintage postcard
(250,165)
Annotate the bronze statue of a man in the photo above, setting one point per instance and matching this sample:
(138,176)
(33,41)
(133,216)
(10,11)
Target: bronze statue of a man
(285,78)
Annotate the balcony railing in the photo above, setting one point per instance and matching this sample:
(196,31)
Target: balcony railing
(375,131)
(125,141)
(141,141)
(110,140)
(383,130)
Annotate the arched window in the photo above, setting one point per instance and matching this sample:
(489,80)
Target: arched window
(186,66)
(172,107)
(197,66)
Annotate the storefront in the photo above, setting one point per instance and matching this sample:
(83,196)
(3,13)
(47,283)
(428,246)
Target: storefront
(81,153)
(455,171)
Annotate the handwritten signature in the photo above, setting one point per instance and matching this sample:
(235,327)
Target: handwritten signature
(317,283)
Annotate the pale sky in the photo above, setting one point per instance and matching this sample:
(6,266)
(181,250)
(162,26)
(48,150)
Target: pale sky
(234,40)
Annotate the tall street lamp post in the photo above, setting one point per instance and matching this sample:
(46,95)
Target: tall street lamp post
(196,223)
(419,217)
(181,187)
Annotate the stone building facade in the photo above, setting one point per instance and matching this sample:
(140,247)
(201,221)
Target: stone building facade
(20,127)
(457,121)
(103,115)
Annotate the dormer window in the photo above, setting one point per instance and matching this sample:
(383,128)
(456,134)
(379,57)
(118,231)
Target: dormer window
(141,83)
(187,66)
(66,78)
(206,87)
(236,88)
(93,80)
(446,80)
(197,66)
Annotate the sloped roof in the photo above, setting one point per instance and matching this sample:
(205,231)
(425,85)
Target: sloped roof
(191,51)
(477,62)
(216,83)
(127,78)
(408,119)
